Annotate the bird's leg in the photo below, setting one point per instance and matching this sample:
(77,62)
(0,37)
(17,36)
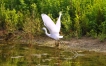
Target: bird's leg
(57,43)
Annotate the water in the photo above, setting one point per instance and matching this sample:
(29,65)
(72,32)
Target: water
(34,55)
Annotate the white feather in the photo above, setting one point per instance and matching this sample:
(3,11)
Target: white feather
(53,28)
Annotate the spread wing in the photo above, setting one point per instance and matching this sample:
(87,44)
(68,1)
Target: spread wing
(49,24)
(58,23)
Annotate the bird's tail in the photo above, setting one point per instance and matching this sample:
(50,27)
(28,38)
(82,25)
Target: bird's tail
(60,36)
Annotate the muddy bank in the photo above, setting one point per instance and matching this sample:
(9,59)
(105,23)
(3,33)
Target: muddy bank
(85,43)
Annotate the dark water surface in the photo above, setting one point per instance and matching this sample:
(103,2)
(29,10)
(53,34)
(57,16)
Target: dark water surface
(34,55)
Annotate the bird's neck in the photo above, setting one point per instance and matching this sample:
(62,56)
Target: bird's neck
(47,33)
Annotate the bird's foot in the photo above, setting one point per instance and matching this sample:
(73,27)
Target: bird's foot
(56,43)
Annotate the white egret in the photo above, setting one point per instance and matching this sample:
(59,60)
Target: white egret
(53,28)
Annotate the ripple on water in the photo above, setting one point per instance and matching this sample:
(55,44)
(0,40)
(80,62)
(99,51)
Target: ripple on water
(17,56)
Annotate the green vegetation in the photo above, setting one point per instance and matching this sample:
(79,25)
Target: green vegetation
(80,17)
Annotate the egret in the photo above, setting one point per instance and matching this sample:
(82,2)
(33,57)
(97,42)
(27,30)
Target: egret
(53,28)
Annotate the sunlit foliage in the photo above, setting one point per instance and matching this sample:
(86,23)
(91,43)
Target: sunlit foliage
(80,17)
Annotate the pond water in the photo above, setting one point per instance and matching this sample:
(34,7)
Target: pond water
(35,55)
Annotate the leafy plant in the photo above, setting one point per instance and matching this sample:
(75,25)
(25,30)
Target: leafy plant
(79,17)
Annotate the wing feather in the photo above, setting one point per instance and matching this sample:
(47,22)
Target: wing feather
(58,23)
(49,24)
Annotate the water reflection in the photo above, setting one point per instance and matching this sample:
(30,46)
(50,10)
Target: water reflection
(17,56)
(25,55)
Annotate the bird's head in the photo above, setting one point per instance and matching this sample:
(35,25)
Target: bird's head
(44,28)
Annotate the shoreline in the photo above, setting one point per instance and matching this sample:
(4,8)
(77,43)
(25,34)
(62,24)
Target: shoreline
(84,43)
